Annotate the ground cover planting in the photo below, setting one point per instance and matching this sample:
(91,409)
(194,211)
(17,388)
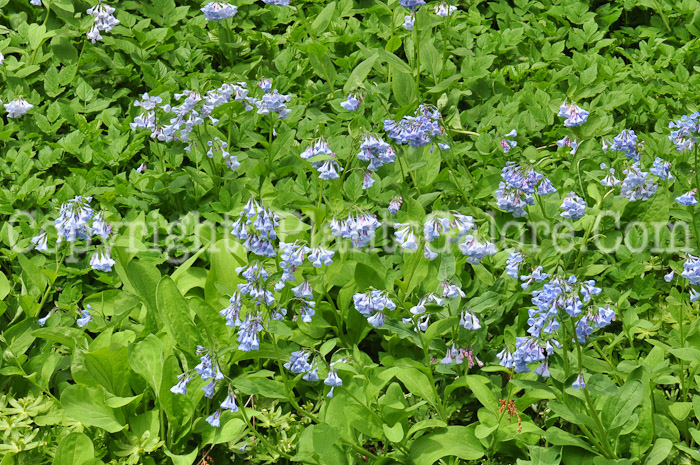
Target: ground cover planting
(348,232)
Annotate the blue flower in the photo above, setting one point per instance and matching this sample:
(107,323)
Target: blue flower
(662,169)
(688,199)
(352,103)
(412,4)
(216,11)
(637,185)
(513,264)
(575,115)
(375,151)
(567,142)
(508,144)
(85,317)
(181,386)
(475,250)
(574,207)
(409,21)
(580,383)
(469,321)
(395,205)
(686,134)
(214,419)
(416,131)
(668,277)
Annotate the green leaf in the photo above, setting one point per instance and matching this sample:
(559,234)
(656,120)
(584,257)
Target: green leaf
(37,33)
(367,277)
(146,359)
(4,286)
(403,87)
(417,383)
(323,19)
(359,74)
(662,447)
(74,449)
(453,441)
(175,313)
(618,409)
(87,405)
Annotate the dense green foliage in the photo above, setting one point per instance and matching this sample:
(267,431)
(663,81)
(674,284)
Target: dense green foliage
(100,392)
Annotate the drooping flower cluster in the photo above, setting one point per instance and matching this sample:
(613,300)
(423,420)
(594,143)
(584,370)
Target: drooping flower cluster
(519,185)
(78,221)
(217,11)
(271,102)
(626,142)
(475,250)
(256,228)
(567,142)
(689,199)
(508,144)
(327,168)
(513,263)
(405,236)
(104,21)
(662,169)
(352,103)
(444,10)
(82,321)
(685,135)
(17,108)
(359,228)
(558,297)
(218,145)
(575,115)
(193,111)
(574,207)
(456,355)
(375,151)
(637,184)
(691,270)
(207,369)
(298,363)
(609,180)
(372,304)
(395,205)
(418,130)
(412,5)
(277,2)
(409,21)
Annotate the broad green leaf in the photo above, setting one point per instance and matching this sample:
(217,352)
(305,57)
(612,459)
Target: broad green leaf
(175,313)
(453,441)
(87,405)
(74,449)
(146,359)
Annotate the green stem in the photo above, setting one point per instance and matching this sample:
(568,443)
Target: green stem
(416,46)
(438,400)
(259,436)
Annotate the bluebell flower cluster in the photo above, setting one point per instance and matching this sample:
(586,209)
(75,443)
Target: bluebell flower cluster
(626,142)
(574,207)
(537,276)
(217,11)
(102,261)
(41,242)
(409,21)
(468,320)
(277,2)
(17,108)
(82,321)
(434,226)
(685,135)
(444,10)
(427,299)
(104,21)
(452,291)
(256,228)
(558,298)
(575,115)
(515,259)
(248,332)
(456,355)
(207,369)
(352,103)
(412,4)
(475,250)
(661,169)
(395,205)
(609,180)
(359,228)
(416,131)
(508,144)
(372,304)
(689,199)
(567,142)
(327,166)
(405,236)
(255,287)
(218,145)
(691,270)
(637,184)
(332,379)
(375,151)
(519,185)
(272,101)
